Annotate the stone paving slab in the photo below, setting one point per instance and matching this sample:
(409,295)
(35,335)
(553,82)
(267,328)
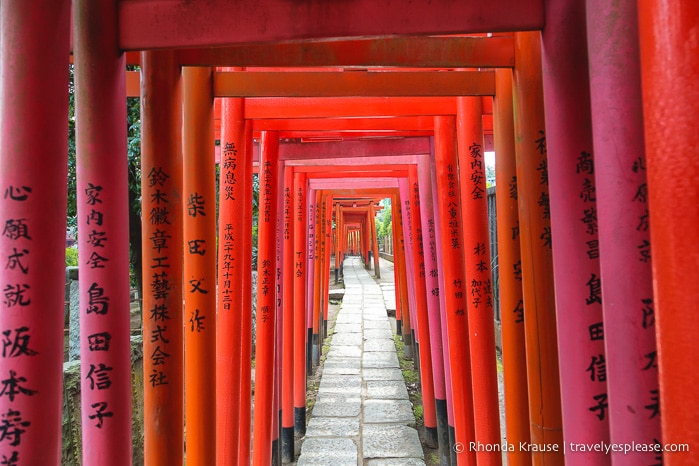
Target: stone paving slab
(328,452)
(345,352)
(377,324)
(396,462)
(382,374)
(332,427)
(355,327)
(373,333)
(385,411)
(344,339)
(390,441)
(379,344)
(333,406)
(386,389)
(378,359)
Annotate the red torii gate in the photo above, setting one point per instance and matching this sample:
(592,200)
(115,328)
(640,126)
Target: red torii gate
(35,45)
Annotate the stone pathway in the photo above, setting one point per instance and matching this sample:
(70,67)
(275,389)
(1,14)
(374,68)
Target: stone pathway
(362,415)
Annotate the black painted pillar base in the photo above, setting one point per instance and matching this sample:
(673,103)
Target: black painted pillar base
(309,353)
(408,340)
(300,421)
(399,327)
(276,460)
(443,432)
(452,445)
(287,444)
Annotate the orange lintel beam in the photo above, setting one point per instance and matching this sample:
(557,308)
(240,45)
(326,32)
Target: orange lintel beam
(410,51)
(184,23)
(329,107)
(354,83)
(339,168)
(411,123)
(358,175)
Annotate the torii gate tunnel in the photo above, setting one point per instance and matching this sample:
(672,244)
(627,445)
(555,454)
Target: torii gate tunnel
(590,107)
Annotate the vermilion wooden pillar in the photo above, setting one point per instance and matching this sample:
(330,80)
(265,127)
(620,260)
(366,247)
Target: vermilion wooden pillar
(669,66)
(230,280)
(535,271)
(199,199)
(317,276)
(446,348)
(161,187)
(408,269)
(374,240)
(34,43)
(299,284)
(574,229)
(455,285)
(246,311)
(402,278)
(279,338)
(287,394)
(479,287)
(615,83)
(431,272)
(310,280)
(266,299)
(512,318)
(102,198)
(423,326)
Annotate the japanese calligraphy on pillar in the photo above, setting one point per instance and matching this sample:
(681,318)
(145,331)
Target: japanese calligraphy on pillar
(267,269)
(646,313)
(311,226)
(161,284)
(596,366)
(229,182)
(16,338)
(96,304)
(478,265)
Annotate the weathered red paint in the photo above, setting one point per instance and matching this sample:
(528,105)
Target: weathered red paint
(174,24)
(478,286)
(455,284)
(514,358)
(299,285)
(669,67)
(266,301)
(161,153)
(34,42)
(410,51)
(584,395)
(230,281)
(536,269)
(364,83)
(199,204)
(615,83)
(102,198)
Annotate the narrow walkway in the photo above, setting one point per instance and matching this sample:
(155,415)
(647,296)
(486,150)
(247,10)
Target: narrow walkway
(362,415)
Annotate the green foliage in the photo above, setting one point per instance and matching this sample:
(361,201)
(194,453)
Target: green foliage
(384,225)
(71,257)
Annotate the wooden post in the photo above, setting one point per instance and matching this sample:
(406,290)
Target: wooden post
(102,185)
(478,285)
(161,188)
(620,175)
(574,228)
(289,319)
(230,281)
(455,285)
(300,334)
(246,311)
(669,66)
(266,299)
(429,247)
(514,352)
(536,268)
(423,324)
(199,267)
(34,45)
